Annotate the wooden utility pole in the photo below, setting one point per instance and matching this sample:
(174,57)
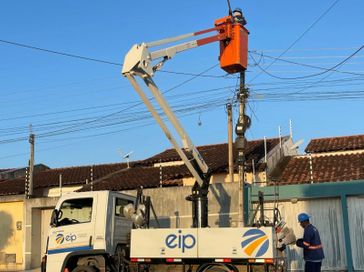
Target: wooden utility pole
(240,144)
(31,162)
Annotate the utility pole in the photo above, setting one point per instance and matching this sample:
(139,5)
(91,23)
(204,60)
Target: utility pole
(230,142)
(31,161)
(240,143)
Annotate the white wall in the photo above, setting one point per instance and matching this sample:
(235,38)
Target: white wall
(356,228)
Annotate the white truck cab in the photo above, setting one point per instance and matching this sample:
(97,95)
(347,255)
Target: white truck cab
(88,230)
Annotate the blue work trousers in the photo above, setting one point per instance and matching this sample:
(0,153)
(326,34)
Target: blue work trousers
(312,266)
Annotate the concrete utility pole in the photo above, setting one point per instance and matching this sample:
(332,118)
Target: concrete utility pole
(31,162)
(240,144)
(230,142)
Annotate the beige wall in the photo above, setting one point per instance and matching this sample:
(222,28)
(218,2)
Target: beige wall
(11,236)
(55,192)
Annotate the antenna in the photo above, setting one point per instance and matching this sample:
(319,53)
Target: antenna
(127,157)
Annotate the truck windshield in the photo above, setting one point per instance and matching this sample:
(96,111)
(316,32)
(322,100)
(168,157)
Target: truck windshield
(75,211)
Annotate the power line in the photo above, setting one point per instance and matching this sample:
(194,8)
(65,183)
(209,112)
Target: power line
(300,37)
(309,49)
(80,124)
(305,65)
(65,54)
(60,53)
(332,69)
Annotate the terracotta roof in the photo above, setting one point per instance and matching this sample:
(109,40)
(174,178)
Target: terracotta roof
(133,178)
(50,178)
(333,144)
(328,168)
(12,187)
(117,177)
(143,174)
(217,155)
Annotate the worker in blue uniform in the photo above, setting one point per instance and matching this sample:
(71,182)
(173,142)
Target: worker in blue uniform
(313,253)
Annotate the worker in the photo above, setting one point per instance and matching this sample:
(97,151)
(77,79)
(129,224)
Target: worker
(239,17)
(313,253)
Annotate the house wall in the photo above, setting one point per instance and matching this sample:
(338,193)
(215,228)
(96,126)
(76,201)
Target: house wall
(322,211)
(56,192)
(278,152)
(36,217)
(174,211)
(11,236)
(337,210)
(356,219)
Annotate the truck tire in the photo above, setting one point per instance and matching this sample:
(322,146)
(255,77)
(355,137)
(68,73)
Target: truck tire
(217,267)
(84,269)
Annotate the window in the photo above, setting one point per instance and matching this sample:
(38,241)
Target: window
(119,206)
(75,211)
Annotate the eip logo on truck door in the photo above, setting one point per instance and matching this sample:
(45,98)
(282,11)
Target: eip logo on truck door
(60,238)
(180,241)
(255,240)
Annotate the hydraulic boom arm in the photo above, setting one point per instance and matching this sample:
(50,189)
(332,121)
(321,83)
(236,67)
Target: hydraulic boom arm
(142,62)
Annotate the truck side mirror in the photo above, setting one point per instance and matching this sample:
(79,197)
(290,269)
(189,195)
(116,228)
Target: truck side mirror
(54,218)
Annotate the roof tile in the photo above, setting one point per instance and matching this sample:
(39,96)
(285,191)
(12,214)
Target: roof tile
(333,144)
(118,177)
(330,168)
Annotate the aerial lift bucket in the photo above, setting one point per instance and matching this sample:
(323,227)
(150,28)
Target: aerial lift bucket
(234,50)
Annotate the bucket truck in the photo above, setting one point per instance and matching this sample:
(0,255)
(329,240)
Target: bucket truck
(199,245)
(94,231)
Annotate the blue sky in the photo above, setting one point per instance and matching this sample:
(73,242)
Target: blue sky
(85,112)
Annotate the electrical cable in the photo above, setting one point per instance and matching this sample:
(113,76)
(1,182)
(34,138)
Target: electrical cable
(300,37)
(304,64)
(187,99)
(217,101)
(332,69)
(65,54)
(181,99)
(60,53)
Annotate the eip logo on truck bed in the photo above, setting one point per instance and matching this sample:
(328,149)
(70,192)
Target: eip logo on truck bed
(255,240)
(180,241)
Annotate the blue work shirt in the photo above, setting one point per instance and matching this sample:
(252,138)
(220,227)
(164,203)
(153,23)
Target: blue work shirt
(311,244)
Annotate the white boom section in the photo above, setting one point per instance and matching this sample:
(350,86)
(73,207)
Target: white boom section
(139,58)
(187,143)
(138,61)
